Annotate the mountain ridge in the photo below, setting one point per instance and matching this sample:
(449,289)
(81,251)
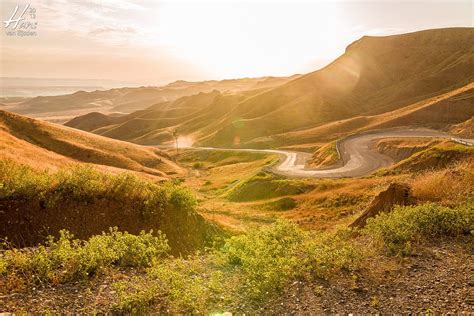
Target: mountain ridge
(375,75)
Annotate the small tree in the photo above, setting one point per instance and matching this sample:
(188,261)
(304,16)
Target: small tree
(174,132)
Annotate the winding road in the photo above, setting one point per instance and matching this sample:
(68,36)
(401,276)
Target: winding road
(358,153)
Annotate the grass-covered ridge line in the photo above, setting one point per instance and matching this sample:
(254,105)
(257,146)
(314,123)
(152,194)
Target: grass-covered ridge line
(200,159)
(435,157)
(84,184)
(265,186)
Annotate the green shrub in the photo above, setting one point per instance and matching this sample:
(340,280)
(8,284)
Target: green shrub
(129,186)
(271,256)
(78,183)
(397,230)
(282,204)
(194,285)
(327,253)
(17,180)
(190,285)
(84,184)
(67,258)
(198,165)
(268,257)
(183,199)
(246,270)
(136,296)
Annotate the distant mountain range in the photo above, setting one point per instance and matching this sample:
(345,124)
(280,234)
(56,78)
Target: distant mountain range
(126,100)
(32,87)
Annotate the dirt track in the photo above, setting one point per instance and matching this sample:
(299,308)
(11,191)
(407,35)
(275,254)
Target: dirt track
(358,154)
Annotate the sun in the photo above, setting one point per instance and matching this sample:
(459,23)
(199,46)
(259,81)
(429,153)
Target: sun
(246,39)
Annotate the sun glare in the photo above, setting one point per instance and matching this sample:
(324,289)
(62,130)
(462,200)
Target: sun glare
(245,39)
(185,141)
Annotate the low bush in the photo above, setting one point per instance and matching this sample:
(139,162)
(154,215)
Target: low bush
(68,259)
(193,285)
(198,165)
(136,296)
(19,180)
(182,198)
(271,256)
(247,270)
(84,184)
(268,257)
(328,253)
(282,204)
(398,230)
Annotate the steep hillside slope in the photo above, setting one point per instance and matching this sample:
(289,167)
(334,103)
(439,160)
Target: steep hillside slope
(446,111)
(375,76)
(46,145)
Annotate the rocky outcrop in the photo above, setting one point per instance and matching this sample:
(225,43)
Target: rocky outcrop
(395,194)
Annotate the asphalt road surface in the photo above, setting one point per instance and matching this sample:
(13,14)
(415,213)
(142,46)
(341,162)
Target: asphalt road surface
(358,153)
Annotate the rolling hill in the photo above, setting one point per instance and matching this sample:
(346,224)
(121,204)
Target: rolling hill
(44,145)
(378,81)
(125,100)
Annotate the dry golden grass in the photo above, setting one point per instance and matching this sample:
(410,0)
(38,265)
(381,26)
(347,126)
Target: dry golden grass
(402,148)
(46,145)
(440,111)
(464,129)
(450,186)
(325,156)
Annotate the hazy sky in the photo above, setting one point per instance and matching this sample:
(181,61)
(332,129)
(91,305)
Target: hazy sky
(153,42)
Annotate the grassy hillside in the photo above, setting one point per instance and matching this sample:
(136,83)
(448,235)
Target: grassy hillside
(445,111)
(192,116)
(46,145)
(378,82)
(432,157)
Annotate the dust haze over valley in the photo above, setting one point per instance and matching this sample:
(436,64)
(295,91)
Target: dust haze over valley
(329,167)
